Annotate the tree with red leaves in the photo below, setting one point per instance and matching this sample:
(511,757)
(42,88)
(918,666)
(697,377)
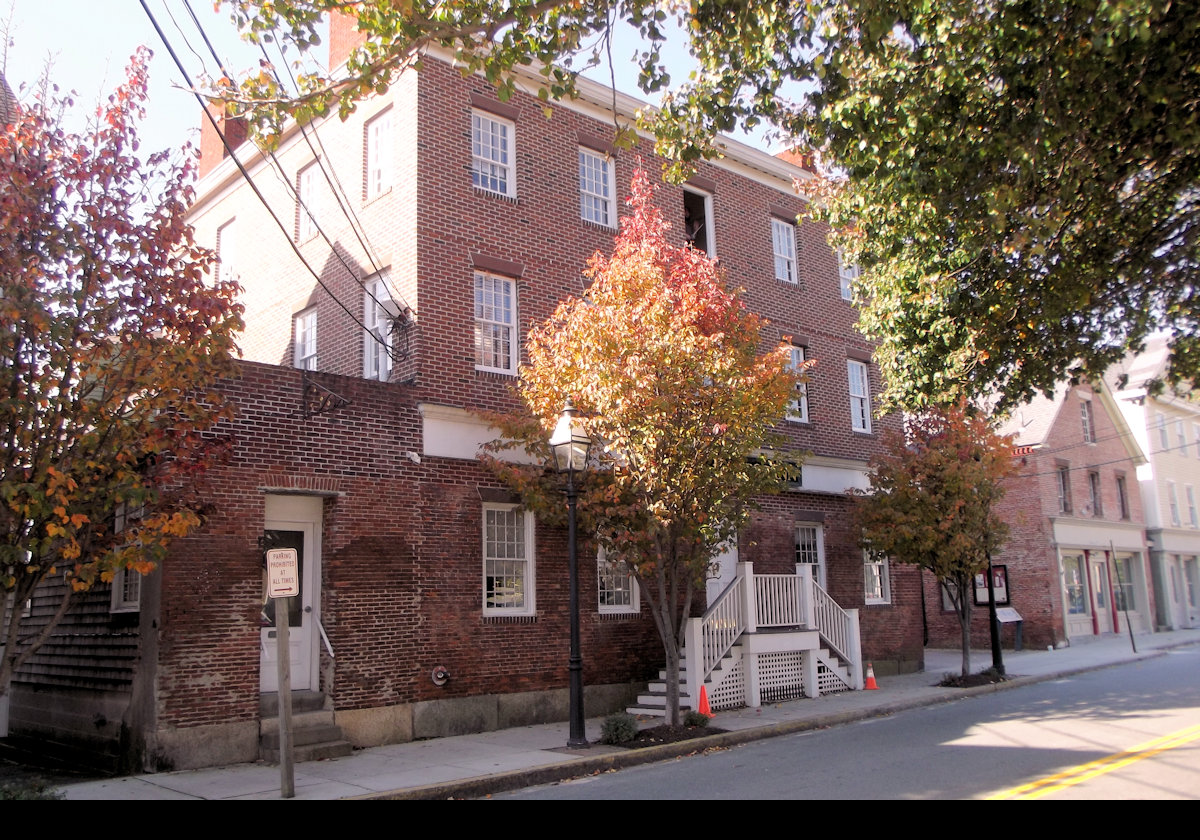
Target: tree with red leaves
(111,335)
(662,361)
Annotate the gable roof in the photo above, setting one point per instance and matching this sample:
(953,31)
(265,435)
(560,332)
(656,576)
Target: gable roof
(1031,423)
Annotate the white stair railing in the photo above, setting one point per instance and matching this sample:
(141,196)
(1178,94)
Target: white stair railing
(838,628)
(711,636)
(780,601)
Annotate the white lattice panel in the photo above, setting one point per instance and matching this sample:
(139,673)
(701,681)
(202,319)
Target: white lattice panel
(780,677)
(829,681)
(730,693)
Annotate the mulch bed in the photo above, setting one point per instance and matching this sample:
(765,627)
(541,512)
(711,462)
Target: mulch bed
(667,734)
(988,677)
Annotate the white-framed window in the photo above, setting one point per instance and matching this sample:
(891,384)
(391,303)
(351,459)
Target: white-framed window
(227,251)
(860,395)
(783,243)
(798,408)
(304,342)
(495,323)
(1094,493)
(616,587)
(306,197)
(508,582)
(597,198)
(492,154)
(848,272)
(1190,495)
(698,221)
(1088,420)
(379,152)
(377,338)
(877,582)
(1196,438)
(1180,437)
(1074,584)
(1122,497)
(1063,478)
(1173,502)
(126,593)
(810,549)
(1164,442)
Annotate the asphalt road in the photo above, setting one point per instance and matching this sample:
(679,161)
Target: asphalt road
(1128,732)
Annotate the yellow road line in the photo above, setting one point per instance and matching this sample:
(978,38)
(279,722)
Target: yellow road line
(1075,775)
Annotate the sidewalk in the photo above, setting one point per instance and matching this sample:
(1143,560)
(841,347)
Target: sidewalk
(470,766)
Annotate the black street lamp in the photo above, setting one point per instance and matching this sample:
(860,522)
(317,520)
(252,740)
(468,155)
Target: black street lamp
(570,446)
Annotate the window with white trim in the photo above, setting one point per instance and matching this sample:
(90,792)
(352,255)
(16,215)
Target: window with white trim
(783,243)
(507,560)
(492,154)
(847,273)
(860,395)
(810,549)
(1173,502)
(377,338)
(615,585)
(876,578)
(1122,497)
(126,595)
(495,323)
(304,341)
(1063,478)
(1094,494)
(1196,438)
(306,196)
(1180,437)
(798,408)
(698,221)
(226,252)
(379,151)
(1190,495)
(1164,442)
(1088,420)
(597,202)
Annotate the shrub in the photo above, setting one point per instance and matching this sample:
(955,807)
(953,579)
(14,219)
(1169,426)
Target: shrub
(619,728)
(694,718)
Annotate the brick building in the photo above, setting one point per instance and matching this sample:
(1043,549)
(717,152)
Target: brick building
(1075,561)
(421,238)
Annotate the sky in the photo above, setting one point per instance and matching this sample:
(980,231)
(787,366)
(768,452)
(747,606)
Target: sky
(87,44)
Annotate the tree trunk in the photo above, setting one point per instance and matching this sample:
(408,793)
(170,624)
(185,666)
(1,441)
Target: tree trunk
(964,620)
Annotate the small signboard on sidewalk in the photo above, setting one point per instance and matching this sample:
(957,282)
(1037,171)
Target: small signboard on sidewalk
(283,573)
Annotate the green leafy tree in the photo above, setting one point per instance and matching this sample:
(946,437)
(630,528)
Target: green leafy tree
(110,335)
(933,500)
(663,364)
(1018,178)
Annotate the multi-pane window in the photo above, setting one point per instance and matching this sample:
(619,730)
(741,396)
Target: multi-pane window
(1073,581)
(507,560)
(126,593)
(1123,593)
(1173,502)
(1122,497)
(1164,442)
(1190,495)
(783,242)
(1180,437)
(810,549)
(798,409)
(596,192)
(226,252)
(617,589)
(492,154)
(495,323)
(847,273)
(377,337)
(306,196)
(860,396)
(304,355)
(1089,421)
(1063,476)
(379,155)
(876,579)
(1196,438)
(1094,492)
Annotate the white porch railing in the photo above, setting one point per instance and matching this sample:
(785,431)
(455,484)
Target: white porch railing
(752,602)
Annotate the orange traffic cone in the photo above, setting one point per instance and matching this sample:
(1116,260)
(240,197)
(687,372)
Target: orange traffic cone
(871,686)
(704,708)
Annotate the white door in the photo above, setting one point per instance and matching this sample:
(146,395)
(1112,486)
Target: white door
(722,571)
(293,522)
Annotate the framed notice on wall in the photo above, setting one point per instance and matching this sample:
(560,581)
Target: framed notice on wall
(999,583)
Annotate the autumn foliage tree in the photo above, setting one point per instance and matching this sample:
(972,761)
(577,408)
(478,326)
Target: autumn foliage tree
(110,336)
(663,364)
(932,501)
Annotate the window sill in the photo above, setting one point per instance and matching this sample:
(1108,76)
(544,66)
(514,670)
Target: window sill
(597,225)
(510,618)
(482,191)
(371,199)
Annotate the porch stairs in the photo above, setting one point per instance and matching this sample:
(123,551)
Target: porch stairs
(314,733)
(766,638)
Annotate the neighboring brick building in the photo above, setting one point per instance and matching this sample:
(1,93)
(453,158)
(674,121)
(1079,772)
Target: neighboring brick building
(463,220)
(1166,423)
(1075,528)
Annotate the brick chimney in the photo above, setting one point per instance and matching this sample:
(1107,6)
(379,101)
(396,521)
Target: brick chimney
(212,150)
(802,159)
(343,37)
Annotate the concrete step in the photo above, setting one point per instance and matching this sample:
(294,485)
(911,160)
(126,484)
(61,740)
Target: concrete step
(310,752)
(302,701)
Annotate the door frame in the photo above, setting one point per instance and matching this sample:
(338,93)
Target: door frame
(303,514)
